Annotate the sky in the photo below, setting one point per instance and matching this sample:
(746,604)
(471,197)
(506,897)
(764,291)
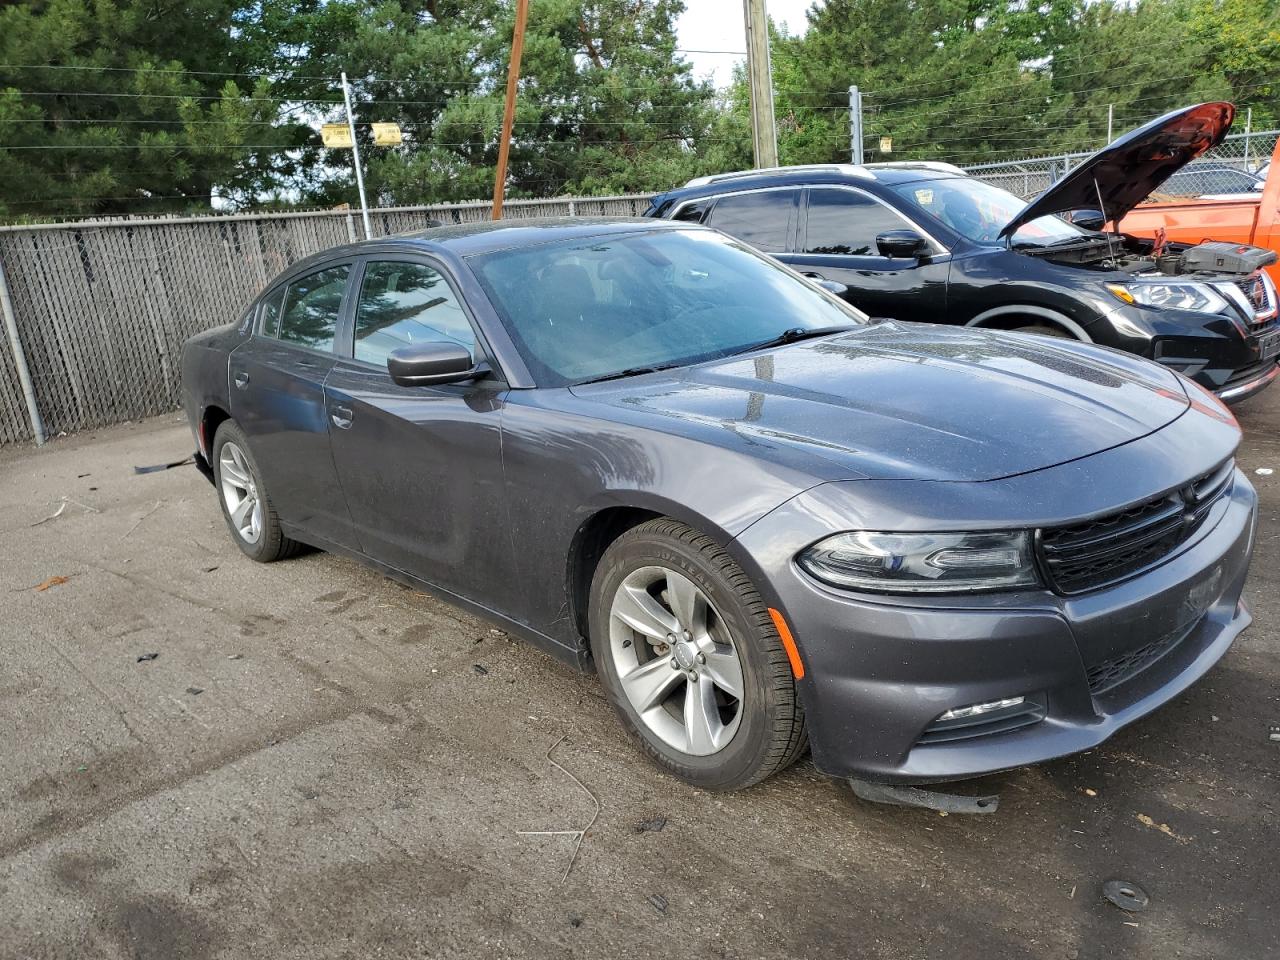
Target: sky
(719,25)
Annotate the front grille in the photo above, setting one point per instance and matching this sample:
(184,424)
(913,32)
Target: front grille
(1098,552)
(1109,674)
(1030,711)
(1260,293)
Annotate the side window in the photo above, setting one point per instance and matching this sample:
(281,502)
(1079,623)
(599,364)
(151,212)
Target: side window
(311,307)
(404,303)
(269,324)
(761,219)
(847,223)
(692,212)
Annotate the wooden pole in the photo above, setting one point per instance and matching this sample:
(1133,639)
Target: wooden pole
(764,136)
(509,110)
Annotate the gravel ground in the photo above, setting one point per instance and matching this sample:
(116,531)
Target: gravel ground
(321,763)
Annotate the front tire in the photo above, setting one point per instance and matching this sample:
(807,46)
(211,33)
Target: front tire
(245,504)
(1044,330)
(691,660)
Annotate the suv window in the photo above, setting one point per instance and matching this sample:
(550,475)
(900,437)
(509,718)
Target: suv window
(403,303)
(311,307)
(270,319)
(846,223)
(762,219)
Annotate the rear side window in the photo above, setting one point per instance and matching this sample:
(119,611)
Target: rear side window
(761,219)
(692,212)
(406,303)
(311,307)
(845,223)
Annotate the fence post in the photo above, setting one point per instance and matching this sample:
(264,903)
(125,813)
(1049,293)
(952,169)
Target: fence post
(20,359)
(855,125)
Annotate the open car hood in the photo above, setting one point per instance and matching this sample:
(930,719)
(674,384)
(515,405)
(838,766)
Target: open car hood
(1127,170)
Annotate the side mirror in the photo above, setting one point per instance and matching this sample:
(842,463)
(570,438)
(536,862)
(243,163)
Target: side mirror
(833,286)
(902,244)
(1088,219)
(430,364)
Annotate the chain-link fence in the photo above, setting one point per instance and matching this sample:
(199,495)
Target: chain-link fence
(1231,167)
(101,309)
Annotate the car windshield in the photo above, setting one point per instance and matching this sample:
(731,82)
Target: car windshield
(979,211)
(588,308)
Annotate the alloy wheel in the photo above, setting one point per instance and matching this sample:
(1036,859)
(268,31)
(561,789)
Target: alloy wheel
(676,661)
(240,493)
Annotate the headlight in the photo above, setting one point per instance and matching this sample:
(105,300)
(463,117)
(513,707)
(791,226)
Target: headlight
(922,562)
(1170,295)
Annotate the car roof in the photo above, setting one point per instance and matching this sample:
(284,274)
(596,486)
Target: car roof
(863,175)
(486,236)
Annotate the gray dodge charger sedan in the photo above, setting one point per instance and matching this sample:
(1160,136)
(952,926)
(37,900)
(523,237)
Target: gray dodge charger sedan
(763,519)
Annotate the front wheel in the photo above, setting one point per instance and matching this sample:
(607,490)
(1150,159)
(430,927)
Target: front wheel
(1044,330)
(691,660)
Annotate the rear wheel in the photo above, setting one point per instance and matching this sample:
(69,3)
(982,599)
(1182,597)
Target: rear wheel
(691,660)
(245,505)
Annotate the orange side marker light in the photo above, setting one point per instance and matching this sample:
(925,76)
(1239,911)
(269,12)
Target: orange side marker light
(788,644)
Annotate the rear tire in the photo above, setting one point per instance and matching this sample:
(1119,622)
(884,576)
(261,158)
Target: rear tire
(691,660)
(246,507)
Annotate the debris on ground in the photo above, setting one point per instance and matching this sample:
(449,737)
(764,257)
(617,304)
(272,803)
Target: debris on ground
(1127,896)
(136,523)
(578,835)
(235,656)
(1164,828)
(480,669)
(652,825)
(64,503)
(1273,733)
(210,569)
(44,585)
(575,921)
(659,902)
(1264,471)
(195,691)
(147,657)
(1090,792)
(158,467)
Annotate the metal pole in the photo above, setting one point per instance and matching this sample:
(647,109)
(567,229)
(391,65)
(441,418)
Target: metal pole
(355,157)
(1111,115)
(1248,129)
(764,134)
(509,108)
(20,359)
(855,125)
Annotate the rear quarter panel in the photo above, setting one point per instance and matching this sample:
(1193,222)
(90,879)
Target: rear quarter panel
(204,372)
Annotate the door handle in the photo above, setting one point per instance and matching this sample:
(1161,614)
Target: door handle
(241,379)
(341,417)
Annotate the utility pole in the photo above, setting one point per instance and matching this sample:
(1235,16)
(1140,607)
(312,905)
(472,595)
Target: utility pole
(1111,115)
(355,157)
(509,109)
(855,125)
(764,136)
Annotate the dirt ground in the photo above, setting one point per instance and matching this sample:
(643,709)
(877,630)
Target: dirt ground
(320,763)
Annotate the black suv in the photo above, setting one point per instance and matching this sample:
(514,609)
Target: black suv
(926,242)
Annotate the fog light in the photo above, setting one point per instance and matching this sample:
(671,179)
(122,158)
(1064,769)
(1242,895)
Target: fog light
(978,709)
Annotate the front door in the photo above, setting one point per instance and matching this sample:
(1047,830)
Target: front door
(837,241)
(277,398)
(421,466)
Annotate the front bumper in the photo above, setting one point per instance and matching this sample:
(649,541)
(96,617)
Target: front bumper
(879,671)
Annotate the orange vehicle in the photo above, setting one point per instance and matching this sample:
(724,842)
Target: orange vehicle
(1246,218)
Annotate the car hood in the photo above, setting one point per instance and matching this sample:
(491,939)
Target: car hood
(912,401)
(1126,171)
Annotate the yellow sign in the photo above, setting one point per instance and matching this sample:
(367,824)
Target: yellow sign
(387,134)
(336,135)
(886,144)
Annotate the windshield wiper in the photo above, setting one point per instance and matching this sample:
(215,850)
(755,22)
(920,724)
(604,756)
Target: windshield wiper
(792,334)
(632,372)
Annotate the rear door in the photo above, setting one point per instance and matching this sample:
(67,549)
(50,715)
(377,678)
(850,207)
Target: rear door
(837,241)
(277,398)
(421,466)
(766,219)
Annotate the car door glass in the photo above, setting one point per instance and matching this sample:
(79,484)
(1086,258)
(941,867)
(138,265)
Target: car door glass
(845,223)
(762,219)
(270,325)
(311,307)
(406,303)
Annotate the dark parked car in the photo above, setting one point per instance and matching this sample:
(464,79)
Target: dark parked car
(923,241)
(760,517)
(1209,181)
